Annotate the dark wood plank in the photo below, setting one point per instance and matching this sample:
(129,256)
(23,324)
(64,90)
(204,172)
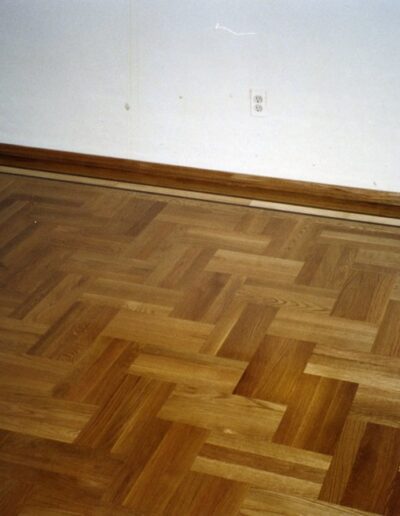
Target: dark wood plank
(316,414)
(375,469)
(251,327)
(274,370)
(387,341)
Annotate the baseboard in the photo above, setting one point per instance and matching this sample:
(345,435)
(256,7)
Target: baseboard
(317,195)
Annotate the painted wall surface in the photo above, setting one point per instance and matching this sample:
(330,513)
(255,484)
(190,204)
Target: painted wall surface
(64,74)
(168,81)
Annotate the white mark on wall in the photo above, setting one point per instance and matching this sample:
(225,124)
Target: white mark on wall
(227,29)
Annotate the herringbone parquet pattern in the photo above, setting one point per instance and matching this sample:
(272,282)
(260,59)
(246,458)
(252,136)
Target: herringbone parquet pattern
(165,356)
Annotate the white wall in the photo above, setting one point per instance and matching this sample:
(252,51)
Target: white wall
(331,69)
(64,74)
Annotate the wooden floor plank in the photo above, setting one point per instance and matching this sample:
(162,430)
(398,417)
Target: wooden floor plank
(42,416)
(190,369)
(166,469)
(245,336)
(274,370)
(387,341)
(316,413)
(214,411)
(364,296)
(158,331)
(374,470)
(200,494)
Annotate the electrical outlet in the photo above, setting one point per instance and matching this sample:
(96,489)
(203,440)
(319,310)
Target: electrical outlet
(258,102)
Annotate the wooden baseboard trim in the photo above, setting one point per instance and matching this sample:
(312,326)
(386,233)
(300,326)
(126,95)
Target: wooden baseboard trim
(302,193)
(200,196)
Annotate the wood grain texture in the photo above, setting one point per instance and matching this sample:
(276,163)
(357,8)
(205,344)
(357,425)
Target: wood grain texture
(167,356)
(375,467)
(357,200)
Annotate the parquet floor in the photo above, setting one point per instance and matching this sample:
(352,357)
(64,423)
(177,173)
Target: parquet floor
(163,356)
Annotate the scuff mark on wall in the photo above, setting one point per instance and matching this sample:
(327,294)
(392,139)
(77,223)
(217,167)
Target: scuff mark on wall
(218,26)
